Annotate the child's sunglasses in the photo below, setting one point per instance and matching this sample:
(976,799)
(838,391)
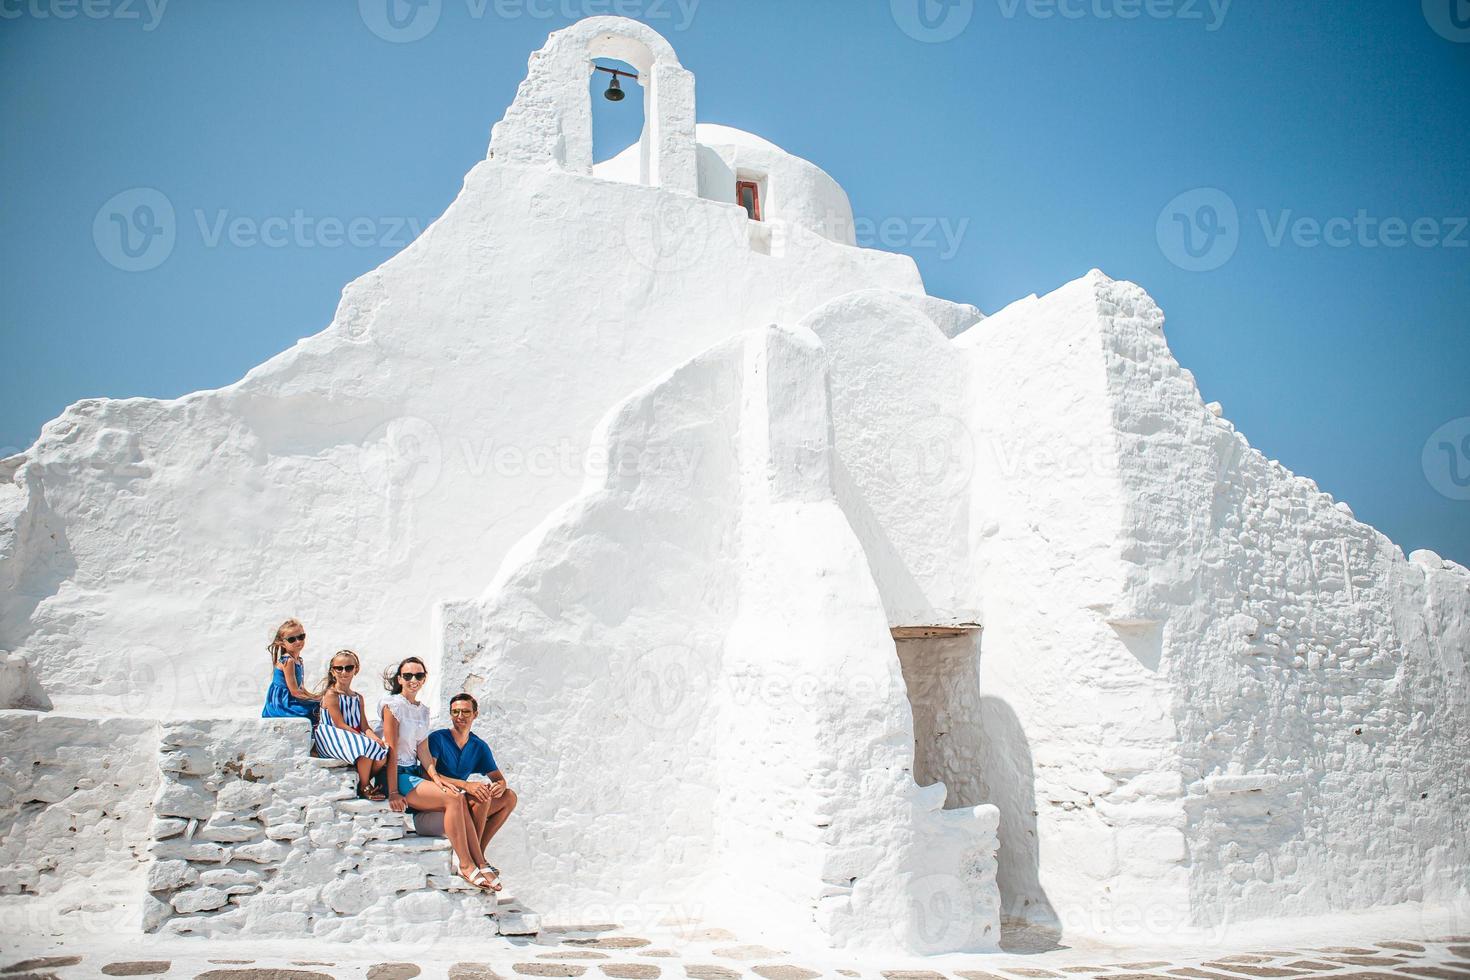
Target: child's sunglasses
(293,639)
(346,668)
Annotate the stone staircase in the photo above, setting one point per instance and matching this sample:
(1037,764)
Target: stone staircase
(253,837)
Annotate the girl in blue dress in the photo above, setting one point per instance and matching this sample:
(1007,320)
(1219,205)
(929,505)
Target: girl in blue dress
(287,696)
(341,730)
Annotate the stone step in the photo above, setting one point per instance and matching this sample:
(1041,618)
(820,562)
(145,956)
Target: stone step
(518,923)
(409,843)
(450,882)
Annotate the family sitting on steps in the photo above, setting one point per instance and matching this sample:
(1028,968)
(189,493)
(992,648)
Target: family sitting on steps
(432,771)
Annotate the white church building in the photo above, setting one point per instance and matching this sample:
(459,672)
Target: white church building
(791,594)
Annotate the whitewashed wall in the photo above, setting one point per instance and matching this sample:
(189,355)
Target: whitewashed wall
(1215,721)
(1204,691)
(714,652)
(391,459)
(74,795)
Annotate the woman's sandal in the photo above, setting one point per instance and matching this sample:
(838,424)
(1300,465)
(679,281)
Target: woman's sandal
(478,877)
(371,793)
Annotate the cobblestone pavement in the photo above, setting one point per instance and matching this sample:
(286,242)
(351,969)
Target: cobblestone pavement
(713,954)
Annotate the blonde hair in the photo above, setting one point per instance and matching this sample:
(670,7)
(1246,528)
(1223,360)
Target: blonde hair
(330,681)
(275,648)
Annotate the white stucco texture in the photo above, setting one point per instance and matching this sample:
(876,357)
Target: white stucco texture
(839,612)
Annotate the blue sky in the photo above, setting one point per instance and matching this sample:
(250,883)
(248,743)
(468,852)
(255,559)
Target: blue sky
(1009,145)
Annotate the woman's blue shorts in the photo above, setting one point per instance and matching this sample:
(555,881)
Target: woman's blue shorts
(408,778)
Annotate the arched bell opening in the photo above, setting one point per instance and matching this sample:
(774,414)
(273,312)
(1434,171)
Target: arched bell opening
(619,101)
(611,129)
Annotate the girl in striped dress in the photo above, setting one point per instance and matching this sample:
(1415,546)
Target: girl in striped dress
(342,733)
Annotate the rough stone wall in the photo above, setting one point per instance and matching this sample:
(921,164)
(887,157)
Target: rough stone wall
(1080,752)
(74,796)
(253,837)
(1319,679)
(1219,695)
(942,675)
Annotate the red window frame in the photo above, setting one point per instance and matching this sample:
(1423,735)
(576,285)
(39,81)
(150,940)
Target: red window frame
(754,207)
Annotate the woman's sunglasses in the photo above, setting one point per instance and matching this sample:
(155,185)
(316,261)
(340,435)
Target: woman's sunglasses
(412,677)
(345,668)
(293,639)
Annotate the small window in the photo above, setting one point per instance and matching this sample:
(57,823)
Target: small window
(748,196)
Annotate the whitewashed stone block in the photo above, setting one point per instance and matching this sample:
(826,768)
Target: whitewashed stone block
(230,833)
(189,851)
(183,799)
(517,923)
(239,796)
(156,912)
(263,852)
(285,831)
(202,899)
(331,835)
(170,875)
(349,894)
(423,907)
(165,827)
(396,878)
(226,877)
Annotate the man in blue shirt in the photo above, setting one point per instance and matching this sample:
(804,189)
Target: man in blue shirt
(459,754)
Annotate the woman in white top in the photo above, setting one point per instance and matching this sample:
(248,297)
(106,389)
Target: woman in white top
(412,780)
